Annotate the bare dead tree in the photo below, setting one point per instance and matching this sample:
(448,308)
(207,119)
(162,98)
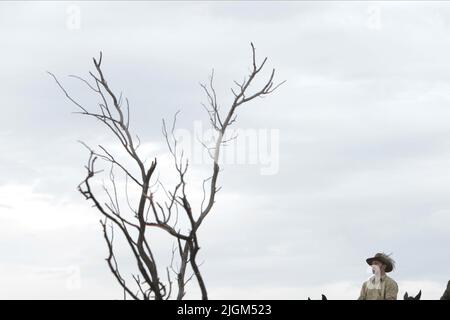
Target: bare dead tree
(136,222)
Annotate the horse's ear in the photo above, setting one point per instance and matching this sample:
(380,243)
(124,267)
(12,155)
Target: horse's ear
(324,297)
(418,295)
(405,297)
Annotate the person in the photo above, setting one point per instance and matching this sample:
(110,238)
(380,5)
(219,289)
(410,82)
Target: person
(380,286)
(446,295)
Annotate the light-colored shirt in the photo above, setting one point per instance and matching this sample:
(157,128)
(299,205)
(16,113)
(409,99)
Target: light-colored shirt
(384,288)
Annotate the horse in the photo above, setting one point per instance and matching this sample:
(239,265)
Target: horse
(324,297)
(417,297)
(446,295)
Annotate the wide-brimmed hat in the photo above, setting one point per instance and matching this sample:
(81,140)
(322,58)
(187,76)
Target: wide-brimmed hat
(383,258)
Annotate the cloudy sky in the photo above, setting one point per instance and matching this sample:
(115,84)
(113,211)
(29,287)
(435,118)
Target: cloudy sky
(359,141)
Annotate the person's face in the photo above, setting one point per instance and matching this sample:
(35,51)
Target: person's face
(378,267)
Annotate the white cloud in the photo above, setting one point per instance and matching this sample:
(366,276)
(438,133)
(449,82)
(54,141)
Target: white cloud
(38,212)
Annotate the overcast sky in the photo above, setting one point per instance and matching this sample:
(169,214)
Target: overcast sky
(359,141)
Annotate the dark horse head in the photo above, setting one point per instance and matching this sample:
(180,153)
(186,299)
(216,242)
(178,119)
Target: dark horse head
(323,297)
(417,297)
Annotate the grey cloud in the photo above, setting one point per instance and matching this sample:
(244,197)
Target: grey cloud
(363,124)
